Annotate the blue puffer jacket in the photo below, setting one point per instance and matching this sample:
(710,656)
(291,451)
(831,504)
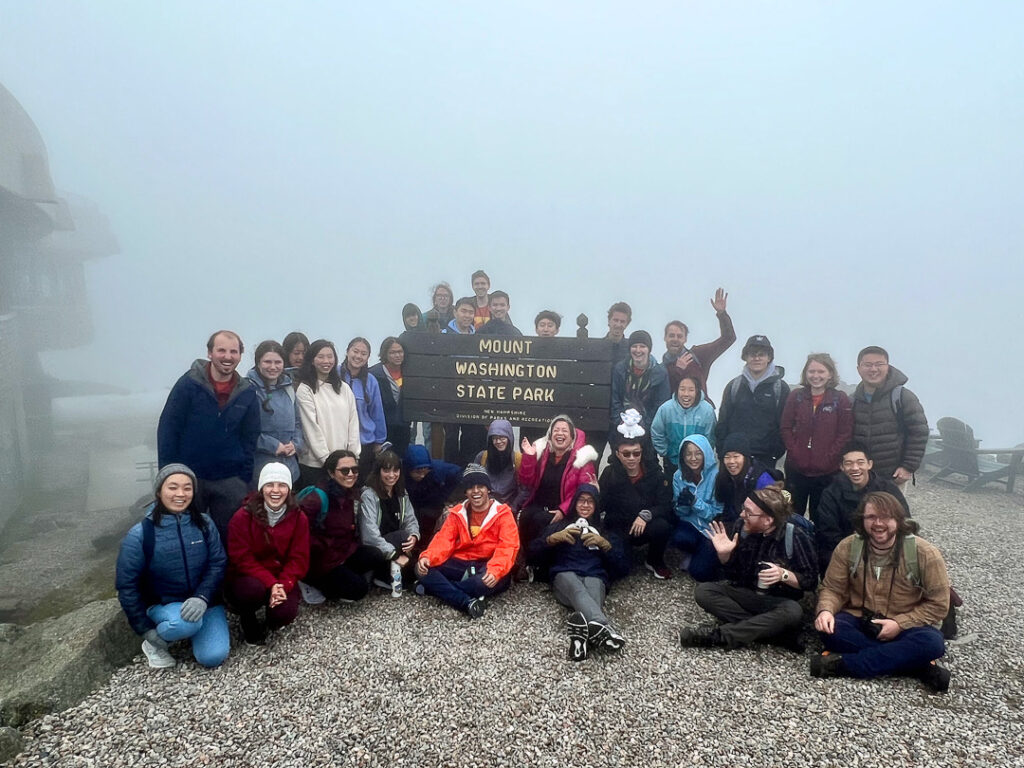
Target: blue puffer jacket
(672,423)
(279,423)
(373,427)
(194,431)
(705,506)
(186,563)
(432,492)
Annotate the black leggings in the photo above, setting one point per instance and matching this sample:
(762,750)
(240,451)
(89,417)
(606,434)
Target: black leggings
(348,580)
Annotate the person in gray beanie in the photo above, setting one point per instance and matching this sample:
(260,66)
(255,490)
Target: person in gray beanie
(169,573)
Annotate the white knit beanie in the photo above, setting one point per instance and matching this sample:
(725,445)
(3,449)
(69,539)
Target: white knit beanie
(275,472)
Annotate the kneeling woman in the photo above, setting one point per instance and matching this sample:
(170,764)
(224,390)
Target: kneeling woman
(696,506)
(582,564)
(472,554)
(169,574)
(268,550)
(387,523)
(338,563)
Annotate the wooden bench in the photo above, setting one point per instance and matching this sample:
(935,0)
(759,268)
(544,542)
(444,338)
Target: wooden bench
(961,455)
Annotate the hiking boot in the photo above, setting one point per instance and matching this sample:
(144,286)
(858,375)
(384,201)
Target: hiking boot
(158,658)
(310,594)
(578,633)
(827,664)
(396,580)
(660,571)
(701,638)
(934,677)
(475,609)
(253,630)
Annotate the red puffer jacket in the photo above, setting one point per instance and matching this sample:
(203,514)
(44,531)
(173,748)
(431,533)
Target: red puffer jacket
(815,439)
(272,555)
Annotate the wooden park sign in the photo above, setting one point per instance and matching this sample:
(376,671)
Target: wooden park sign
(474,379)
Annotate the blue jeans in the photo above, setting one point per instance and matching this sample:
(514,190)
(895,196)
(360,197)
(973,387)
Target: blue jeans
(864,656)
(449,582)
(704,565)
(210,639)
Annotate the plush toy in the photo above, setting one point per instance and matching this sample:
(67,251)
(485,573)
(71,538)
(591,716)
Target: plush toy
(630,426)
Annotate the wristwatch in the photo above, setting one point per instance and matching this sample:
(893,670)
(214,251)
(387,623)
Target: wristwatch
(785,575)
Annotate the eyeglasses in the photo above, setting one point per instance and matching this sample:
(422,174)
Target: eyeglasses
(631,454)
(347,470)
(748,513)
(874,366)
(757,353)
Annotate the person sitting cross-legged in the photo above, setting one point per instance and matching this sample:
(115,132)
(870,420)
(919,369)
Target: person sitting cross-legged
(885,593)
(770,562)
(471,556)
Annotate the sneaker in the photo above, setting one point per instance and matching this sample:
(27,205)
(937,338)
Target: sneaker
(701,638)
(660,571)
(475,609)
(158,658)
(935,677)
(396,580)
(579,631)
(310,594)
(827,664)
(254,632)
(597,633)
(614,641)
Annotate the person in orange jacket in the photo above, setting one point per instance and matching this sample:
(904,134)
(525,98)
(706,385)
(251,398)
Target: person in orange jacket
(471,557)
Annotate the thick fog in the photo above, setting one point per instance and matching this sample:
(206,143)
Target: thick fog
(850,173)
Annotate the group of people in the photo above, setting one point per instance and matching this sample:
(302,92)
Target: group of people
(301,481)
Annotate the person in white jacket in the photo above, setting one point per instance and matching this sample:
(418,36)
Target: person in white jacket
(327,409)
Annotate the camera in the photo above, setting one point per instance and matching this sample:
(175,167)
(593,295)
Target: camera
(867,625)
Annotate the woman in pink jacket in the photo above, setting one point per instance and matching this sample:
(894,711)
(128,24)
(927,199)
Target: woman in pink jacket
(817,422)
(551,470)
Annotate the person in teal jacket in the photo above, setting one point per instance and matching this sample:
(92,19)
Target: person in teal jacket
(688,413)
(693,485)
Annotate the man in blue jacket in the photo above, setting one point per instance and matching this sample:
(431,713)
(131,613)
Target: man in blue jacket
(211,423)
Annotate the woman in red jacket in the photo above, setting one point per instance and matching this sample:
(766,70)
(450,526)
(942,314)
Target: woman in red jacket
(268,552)
(817,422)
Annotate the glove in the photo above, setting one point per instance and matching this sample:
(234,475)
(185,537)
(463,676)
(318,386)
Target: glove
(686,498)
(564,536)
(596,540)
(155,640)
(192,610)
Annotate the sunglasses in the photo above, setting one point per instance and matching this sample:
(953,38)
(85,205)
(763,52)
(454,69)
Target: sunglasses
(347,470)
(631,454)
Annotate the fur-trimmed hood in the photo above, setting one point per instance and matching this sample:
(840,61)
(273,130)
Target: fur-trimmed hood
(582,453)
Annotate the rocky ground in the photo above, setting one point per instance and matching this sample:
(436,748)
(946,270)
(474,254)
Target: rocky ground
(410,683)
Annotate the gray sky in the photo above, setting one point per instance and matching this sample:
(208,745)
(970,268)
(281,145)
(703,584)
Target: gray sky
(849,172)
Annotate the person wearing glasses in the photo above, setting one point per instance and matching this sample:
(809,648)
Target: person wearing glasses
(338,561)
(752,403)
(327,407)
(888,417)
(636,500)
(769,562)
(280,426)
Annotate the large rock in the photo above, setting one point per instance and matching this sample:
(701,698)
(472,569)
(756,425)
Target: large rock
(10,743)
(56,663)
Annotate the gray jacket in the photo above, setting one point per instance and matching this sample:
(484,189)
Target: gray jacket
(369,522)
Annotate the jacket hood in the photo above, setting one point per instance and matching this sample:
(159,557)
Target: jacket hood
(412,309)
(198,372)
(584,453)
(593,490)
(501,428)
(710,460)
(896,378)
(453,328)
(416,457)
(284,380)
(772,373)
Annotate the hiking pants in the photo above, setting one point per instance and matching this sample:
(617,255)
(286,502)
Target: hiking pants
(581,593)
(749,616)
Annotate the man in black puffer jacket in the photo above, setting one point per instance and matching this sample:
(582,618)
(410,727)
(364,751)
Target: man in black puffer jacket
(888,417)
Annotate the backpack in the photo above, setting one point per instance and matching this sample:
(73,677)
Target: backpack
(794,521)
(909,557)
(896,402)
(309,490)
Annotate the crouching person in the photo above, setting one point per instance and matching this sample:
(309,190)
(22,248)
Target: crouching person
(387,524)
(268,549)
(169,573)
(769,562)
(472,554)
(885,593)
(582,564)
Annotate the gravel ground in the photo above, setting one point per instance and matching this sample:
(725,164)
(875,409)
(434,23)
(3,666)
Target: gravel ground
(411,683)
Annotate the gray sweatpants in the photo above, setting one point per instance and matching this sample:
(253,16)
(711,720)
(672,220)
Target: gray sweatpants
(581,593)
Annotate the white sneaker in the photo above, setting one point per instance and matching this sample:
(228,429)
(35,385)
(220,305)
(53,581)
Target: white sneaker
(396,580)
(158,658)
(310,594)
